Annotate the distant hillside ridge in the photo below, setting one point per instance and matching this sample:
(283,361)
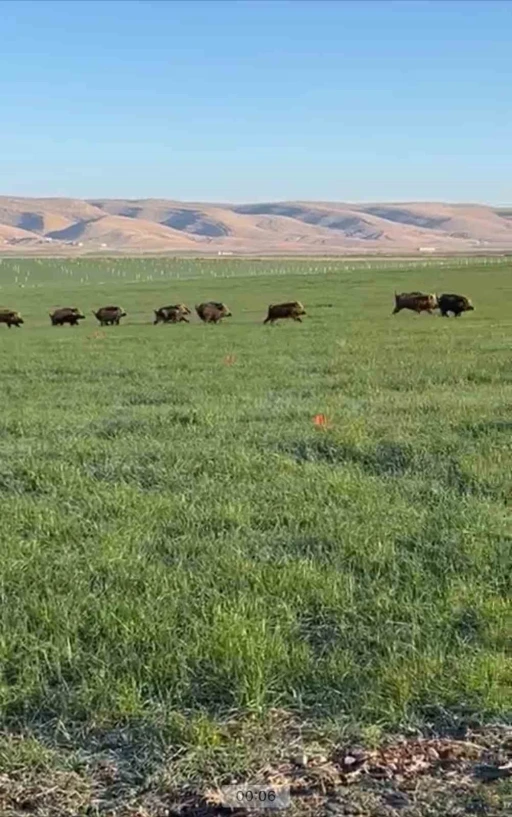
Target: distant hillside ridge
(45,225)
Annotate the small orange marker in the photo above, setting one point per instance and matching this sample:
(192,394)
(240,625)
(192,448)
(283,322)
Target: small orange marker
(321,421)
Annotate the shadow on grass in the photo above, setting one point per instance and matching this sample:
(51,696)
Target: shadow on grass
(488,428)
(113,427)
(20,481)
(386,458)
(389,459)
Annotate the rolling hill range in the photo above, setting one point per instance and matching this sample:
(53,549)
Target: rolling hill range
(132,226)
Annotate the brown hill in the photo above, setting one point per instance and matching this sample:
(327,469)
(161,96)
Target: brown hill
(296,227)
(10,234)
(119,232)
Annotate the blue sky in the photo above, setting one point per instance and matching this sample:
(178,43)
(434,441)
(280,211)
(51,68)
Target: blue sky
(254,100)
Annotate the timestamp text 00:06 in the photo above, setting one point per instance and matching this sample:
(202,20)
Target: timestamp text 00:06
(262,795)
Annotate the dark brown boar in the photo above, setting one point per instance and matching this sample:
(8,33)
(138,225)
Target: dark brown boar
(212,311)
(292,309)
(456,304)
(110,315)
(66,314)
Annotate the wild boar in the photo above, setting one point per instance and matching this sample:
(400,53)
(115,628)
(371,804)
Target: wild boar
(176,313)
(456,304)
(212,311)
(11,318)
(66,314)
(110,315)
(292,309)
(416,302)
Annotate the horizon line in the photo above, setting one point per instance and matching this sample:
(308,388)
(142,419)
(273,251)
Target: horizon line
(227,203)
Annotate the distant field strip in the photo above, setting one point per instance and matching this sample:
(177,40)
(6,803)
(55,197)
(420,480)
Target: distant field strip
(25,273)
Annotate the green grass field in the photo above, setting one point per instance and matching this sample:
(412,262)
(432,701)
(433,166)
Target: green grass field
(180,542)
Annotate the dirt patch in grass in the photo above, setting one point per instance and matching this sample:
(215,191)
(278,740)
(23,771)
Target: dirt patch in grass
(125,773)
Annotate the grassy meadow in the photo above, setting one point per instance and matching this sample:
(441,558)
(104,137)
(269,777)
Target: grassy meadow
(182,542)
